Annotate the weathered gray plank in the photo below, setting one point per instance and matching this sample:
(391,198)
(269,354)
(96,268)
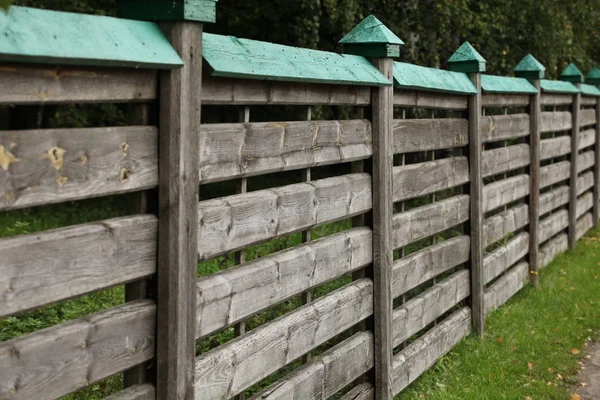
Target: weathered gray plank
(27,84)
(504,159)
(429,134)
(555,246)
(584,182)
(556,99)
(583,225)
(554,121)
(575,123)
(136,392)
(234,222)
(498,226)
(55,165)
(535,112)
(504,257)
(553,199)
(555,147)
(415,180)
(506,287)
(584,204)
(554,173)
(506,191)
(503,127)
(505,100)
(587,116)
(553,224)
(585,161)
(407,98)
(364,391)
(587,138)
(229,369)
(420,355)
(596,210)
(425,221)
(62,359)
(588,100)
(230,151)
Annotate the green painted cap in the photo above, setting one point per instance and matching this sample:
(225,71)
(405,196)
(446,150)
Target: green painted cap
(172,10)
(572,74)
(529,68)
(371,38)
(466,59)
(593,77)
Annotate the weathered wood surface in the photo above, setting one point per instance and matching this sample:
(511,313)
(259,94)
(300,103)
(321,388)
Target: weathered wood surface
(426,264)
(237,293)
(136,392)
(427,220)
(249,91)
(588,100)
(501,259)
(420,355)
(500,225)
(229,151)
(583,225)
(584,204)
(553,199)
(554,173)
(412,135)
(505,100)
(555,121)
(504,159)
(229,369)
(420,311)
(27,84)
(505,191)
(431,100)
(596,210)
(584,182)
(553,224)
(585,161)
(42,268)
(364,391)
(325,376)
(587,116)
(503,127)
(555,246)
(573,182)
(62,359)
(587,138)
(415,180)
(556,99)
(535,112)
(506,287)
(555,147)
(234,222)
(55,165)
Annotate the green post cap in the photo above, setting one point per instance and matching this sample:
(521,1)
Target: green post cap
(172,10)
(529,68)
(593,78)
(572,74)
(466,59)
(371,38)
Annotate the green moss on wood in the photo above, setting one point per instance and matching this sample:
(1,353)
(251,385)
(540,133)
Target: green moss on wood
(505,84)
(466,59)
(171,10)
(529,68)
(572,74)
(409,76)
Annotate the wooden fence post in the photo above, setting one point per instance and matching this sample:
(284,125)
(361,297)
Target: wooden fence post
(467,59)
(531,69)
(593,78)
(372,39)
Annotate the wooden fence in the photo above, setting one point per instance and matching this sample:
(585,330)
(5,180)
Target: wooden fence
(443,197)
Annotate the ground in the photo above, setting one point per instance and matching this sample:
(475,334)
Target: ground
(589,376)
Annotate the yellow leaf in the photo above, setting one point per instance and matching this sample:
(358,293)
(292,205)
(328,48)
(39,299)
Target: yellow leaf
(575,396)
(529,365)
(500,340)
(574,351)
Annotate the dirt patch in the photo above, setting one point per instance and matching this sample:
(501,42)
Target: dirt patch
(589,376)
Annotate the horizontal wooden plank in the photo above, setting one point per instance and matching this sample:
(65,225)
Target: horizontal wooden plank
(429,134)
(415,180)
(57,165)
(584,203)
(230,151)
(42,268)
(587,117)
(554,173)
(584,182)
(326,375)
(503,127)
(420,311)
(585,161)
(364,391)
(420,355)
(505,100)
(506,287)
(500,225)
(26,84)
(500,193)
(555,246)
(430,100)
(553,199)
(234,222)
(64,358)
(237,293)
(584,224)
(553,224)
(587,138)
(252,91)
(555,121)
(588,100)
(229,369)
(427,220)
(419,267)
(555,147)
(504,159)
(502,258)
(137,392)
(556,99)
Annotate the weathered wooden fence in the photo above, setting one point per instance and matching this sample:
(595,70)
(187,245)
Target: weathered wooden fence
(453,187)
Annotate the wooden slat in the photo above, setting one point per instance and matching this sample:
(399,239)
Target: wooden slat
(584,224)
(554,173)
(585,182)
(505,191)
(584,204)
(419,267)
(587,117)
(56,165)
(62,359)
(503,127)
(412,135)
(229,369)
(555,147)
(553,224)
(504,159)
(556,99)
(575,123)
(234,222)
(425,221)
(500,225)
(136,392)
(417,313)
(330,372)
(505,100)
(364,391)
(229,151)
(588,100)
(553,199)
(535,112)
(554,121)
(504,257)
(26,84)
(587,138)
(232,295)
(407,98)
(42,268)
(557,245)
(415,180)
(506,287)
(420,355)
(585,161)
(596,209)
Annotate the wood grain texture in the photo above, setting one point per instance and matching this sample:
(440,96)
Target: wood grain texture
(364,391)
(596,210)
(503,127)
(430,100)
(505,100)
(64,358)
(554,173)
(587,138)
(555,121)
(535,147)
(587,117)
(234,222)
(583,225)
(555,147)
(584,203)
(588,100)
(575,124)
(229,151)
(412,135)
(498,226)
(229,369)
(136,392)
(506,287)
(556,99)
(555,246)
(506,191)
(234,294)
(502,258)
(585,181)
(504,159)
(585,161)
(553,224)
(553,199)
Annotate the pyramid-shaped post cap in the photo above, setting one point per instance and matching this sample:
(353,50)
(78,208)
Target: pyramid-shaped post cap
(593,78)
(371,38)
(173,10)
(466,59)
(529,68)
(572,74)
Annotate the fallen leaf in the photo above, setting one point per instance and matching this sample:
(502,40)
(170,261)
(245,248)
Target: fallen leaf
(575,396)
(550,370)
(574,351)
(500,340)
(529,365)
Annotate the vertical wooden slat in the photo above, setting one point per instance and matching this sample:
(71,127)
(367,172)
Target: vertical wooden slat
(597,165)
(535,112)
(573,181)
(306,177)
(178,214)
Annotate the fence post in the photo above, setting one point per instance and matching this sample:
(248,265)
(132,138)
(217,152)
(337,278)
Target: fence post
(593,78)
(531,69)
(467,59)
(372,39)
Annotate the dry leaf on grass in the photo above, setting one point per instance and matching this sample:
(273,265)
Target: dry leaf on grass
(574,351)
(575,396)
